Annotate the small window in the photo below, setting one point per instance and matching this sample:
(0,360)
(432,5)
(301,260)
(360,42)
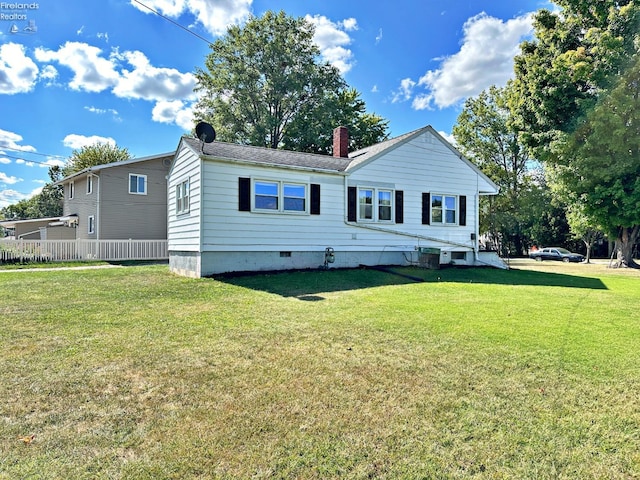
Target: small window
(375,204)
(91,225)
(72,190)
(458,255)
(137,184)
(182,197)
(443,209)
(89,184)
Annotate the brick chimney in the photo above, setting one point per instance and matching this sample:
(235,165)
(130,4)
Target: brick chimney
(340,142)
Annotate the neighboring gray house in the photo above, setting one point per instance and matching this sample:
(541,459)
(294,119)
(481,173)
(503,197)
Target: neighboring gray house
(404,201)
(27,229)
(116,201)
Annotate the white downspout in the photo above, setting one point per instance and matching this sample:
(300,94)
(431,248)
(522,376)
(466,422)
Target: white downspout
(99,219)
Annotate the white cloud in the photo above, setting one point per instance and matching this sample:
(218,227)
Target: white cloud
(76,142)
(405,91)
(4,160)
(215,15)
(448,137)
(26,163)
(18,73)
(49,74)
(10,180)
(151,83)
(11,141)
(174,112)
(350,24)
(9,197)
(379,36)
(484,59)
(51,161)
(92,72)
(102,111)
(332,39)
(95,72)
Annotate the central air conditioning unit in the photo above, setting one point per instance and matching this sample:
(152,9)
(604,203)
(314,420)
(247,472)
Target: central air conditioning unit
(429,257)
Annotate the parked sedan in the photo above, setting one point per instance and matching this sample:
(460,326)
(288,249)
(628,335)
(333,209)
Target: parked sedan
(556,253)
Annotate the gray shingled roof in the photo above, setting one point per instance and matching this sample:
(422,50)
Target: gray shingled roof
(96,168)
(268,156)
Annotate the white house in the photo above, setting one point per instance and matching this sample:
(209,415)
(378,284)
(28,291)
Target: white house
(408,200)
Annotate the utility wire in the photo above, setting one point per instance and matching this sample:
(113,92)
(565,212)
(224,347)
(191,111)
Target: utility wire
(208,42)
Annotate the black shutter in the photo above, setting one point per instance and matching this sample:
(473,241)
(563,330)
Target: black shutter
(315,199)
(244,194)
(463,210)
(399,206)
(426,208)
(352,203)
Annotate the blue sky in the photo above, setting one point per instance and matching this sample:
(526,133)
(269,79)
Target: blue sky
(75,72)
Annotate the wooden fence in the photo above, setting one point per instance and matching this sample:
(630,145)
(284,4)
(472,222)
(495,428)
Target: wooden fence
(73,250)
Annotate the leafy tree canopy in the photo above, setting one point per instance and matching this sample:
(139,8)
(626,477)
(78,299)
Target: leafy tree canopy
(264,85)
(98,153)
(577,91)
(519,215)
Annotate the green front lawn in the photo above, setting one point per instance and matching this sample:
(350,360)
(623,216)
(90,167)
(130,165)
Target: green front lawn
(136,373)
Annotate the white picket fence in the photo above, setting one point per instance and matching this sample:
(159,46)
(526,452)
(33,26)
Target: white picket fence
(68,250)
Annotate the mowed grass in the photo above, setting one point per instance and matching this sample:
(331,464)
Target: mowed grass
(134,373)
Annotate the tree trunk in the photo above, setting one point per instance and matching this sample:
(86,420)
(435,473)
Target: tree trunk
(627,237)
(588,245)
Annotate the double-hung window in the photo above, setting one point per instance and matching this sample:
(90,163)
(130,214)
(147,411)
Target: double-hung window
(91,225)
(72,190)
(89,184)
(182,197)
(137,184)
(375,205)
(280,196)
(443,209)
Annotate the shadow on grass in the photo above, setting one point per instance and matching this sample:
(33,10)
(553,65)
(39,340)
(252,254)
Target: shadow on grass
(306,285)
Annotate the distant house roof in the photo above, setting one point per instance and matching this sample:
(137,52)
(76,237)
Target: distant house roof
(169,156)
(13,223)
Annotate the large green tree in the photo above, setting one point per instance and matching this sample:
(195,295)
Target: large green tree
(98,153)
(564,77)
(602,167)
(516,217)
(265,85)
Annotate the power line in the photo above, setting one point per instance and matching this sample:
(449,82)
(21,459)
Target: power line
(30,153)
(208,42)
